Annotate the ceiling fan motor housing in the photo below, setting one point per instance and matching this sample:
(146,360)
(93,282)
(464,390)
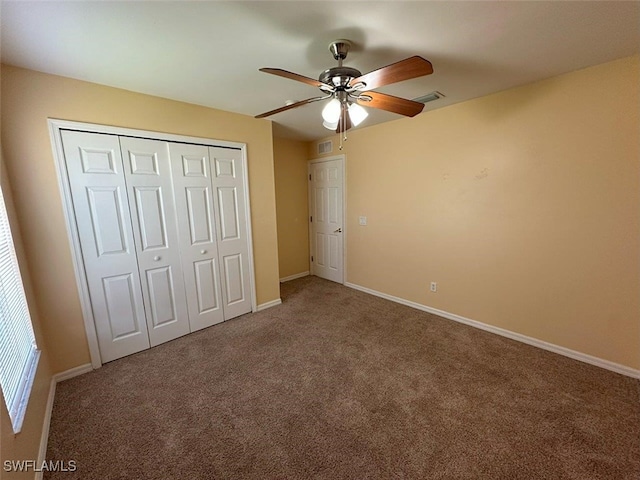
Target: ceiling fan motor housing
(339,76)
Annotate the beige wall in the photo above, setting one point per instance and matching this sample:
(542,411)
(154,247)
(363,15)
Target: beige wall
(28,99)
(24,445)
(524,206)
(290,164)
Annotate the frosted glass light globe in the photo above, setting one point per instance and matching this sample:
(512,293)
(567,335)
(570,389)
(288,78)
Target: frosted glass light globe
(331,112)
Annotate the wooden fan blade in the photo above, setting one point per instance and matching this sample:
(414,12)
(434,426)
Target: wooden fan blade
(402,106)
(411,67)
(289,107)
(344,120)
(294,76)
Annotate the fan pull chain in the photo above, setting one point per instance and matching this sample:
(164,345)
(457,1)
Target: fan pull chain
(343,125)
(343,136)
(342,122)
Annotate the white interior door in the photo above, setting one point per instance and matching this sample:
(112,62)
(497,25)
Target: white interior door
(326,218)
(99,195)
(229,197)
(148,177)
(196,225)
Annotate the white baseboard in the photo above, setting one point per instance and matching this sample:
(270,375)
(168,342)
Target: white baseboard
(583,357)
(293,277)
(73,372)
(272,303)
(44,438)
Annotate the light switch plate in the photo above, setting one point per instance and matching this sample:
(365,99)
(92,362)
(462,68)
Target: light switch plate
(362,220)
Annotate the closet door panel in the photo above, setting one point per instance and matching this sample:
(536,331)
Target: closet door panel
(153,224)
(99,196)
(228,182)
(148,176)
(161,287)
(234,281)
(198,239)
(207,286)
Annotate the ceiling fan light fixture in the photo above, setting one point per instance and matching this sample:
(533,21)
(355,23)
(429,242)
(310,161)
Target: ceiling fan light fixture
(331,111)
(357,114)
(346,89)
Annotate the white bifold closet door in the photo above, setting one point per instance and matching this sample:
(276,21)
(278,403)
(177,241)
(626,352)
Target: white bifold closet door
(209,192)
(163,234)
(228,181)
(198,242)
(147,173)
(99,195)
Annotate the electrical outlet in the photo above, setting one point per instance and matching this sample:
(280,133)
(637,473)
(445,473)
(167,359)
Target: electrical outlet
(434,286)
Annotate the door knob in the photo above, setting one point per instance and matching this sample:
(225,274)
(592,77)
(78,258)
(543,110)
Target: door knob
(203,252)
(156,258)
(338,231)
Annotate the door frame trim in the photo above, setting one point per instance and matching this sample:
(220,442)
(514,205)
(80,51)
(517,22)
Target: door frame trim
(343,159)
(55,133)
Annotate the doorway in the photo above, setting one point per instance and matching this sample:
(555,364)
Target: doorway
(326,218)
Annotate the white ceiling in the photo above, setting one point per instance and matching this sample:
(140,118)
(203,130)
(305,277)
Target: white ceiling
(209,53)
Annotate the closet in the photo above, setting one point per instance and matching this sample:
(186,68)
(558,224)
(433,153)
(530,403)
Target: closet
(162,230)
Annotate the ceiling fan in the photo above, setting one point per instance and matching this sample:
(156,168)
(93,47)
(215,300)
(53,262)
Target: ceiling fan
(349,89)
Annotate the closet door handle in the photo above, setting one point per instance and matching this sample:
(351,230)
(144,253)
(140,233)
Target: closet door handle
(202,252)
(156,258)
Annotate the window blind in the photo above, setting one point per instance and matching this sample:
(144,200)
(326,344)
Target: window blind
(18,351)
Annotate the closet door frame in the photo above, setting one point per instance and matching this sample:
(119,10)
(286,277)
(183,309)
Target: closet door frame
(56,127)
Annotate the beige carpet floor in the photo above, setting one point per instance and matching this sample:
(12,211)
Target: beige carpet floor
(338,384)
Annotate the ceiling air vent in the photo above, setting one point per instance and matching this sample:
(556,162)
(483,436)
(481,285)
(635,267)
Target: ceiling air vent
(429,97)
(325,147)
